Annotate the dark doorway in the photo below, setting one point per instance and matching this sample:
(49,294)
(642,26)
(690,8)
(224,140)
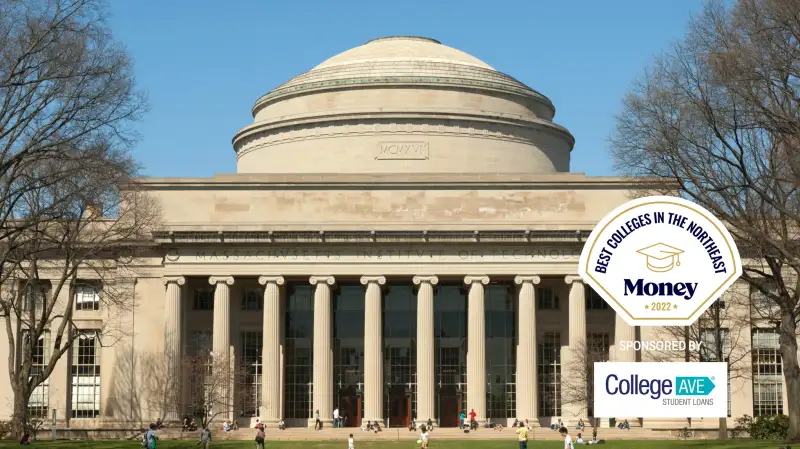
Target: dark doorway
(350,407)
(399,407)
(448,406)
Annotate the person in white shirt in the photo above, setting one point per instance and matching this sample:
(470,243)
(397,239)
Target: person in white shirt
(336,417)
(567,439)
(350,442)
(579,439)
(424,437)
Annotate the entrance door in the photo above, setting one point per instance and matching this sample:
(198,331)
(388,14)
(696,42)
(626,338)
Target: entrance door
(449,405)
(399,407)
(350,407)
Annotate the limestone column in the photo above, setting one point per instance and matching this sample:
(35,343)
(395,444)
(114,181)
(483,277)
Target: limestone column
(476,347)
(173,343)
(623,332)
(322,396)
(271,350)
(221,344)
(527,382)
(577,343)
(426,379)
(373,350)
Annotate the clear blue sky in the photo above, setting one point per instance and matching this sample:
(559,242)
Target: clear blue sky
(204,63)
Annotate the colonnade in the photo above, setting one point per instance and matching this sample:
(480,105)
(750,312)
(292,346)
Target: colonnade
(322,396)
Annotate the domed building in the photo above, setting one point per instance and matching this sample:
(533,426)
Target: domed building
(400,242)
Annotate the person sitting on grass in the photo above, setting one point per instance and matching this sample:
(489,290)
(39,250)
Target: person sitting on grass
(26,440)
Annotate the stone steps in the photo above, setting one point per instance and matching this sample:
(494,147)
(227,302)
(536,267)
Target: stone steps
(395,434)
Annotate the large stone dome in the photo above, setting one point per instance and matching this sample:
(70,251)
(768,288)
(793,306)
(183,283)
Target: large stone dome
(403,105)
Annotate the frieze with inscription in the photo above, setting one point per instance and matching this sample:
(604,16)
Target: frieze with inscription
(403,151)
(398,254)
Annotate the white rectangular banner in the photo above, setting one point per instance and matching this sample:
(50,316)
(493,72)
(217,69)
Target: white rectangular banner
(661,390)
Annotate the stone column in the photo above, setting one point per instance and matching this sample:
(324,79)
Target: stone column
(527,382)
(623,332)
(373,350)
(271,351)
(173,343)
(426,379)
(577,345)
(221,344)
(323,353)
(476,347)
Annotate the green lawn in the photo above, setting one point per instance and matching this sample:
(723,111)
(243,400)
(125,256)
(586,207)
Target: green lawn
(467,444)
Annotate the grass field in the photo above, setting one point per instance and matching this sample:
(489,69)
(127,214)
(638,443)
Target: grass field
(511,444)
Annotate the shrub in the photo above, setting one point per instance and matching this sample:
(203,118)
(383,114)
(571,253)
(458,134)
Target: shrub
(765,427)
(5,429)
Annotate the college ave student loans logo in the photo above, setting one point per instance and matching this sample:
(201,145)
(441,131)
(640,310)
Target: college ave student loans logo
(661,390)
(660,261)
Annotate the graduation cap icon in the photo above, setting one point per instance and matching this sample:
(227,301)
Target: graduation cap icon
(661,257)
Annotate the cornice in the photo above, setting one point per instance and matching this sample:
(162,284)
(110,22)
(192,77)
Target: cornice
(328,181)
(337,237)
(500,85)
(411,123)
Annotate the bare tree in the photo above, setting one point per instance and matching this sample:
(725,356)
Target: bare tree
(578,386)
(68,214)
(718,119)
(722,332)
(209,388)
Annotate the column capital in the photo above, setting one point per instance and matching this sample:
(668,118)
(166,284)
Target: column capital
(368,279)
(473,278)
(180,280)
(314,280)
(570,278)
(523,279)
(264,280)
(430,279)
(214,280)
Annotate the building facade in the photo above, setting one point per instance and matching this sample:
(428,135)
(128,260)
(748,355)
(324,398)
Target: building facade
(400,240)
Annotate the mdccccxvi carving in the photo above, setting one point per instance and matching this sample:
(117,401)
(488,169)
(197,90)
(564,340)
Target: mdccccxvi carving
(530,134)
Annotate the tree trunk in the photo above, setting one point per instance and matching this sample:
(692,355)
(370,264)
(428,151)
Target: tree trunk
(20,416)
(791,373)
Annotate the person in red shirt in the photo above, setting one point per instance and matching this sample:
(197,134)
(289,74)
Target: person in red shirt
(472,424)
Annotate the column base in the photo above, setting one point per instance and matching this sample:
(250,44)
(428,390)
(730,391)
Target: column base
(373,421)
(327,423)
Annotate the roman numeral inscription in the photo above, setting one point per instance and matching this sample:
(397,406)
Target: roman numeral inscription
(403,151)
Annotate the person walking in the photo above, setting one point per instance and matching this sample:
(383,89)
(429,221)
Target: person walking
(567,440)
(317,422)
(423,436)
(260,437)
(336,417)
(522,434)
(351,444)
(150,437)
(205,438)
(461,419)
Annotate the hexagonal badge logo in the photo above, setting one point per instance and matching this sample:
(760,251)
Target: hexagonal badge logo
(660,260)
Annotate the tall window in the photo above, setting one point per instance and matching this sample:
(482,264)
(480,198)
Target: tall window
(501,350)
(594,301)
(253,299)
(548,367)
(36,293)
(86,377)
(87,297)
(199,368)
(546,298)
(348,351)
(39,402)
(298,362)
(400,353)
(450,338)
(204,298)
(767,373)
(251,373)
(708,351)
